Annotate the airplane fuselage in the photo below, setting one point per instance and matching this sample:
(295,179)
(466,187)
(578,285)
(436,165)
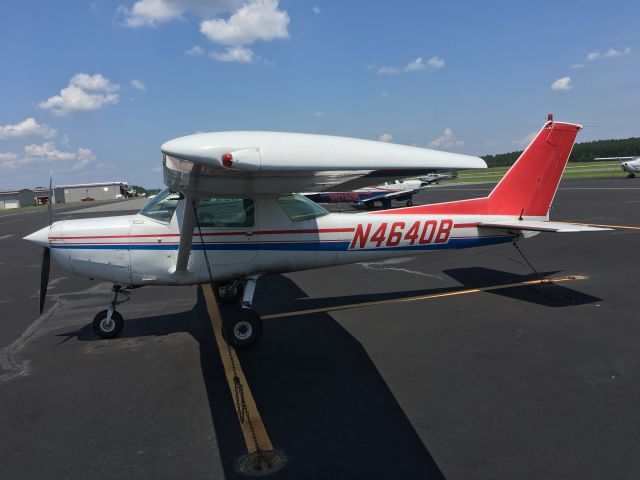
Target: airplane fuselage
(138,250)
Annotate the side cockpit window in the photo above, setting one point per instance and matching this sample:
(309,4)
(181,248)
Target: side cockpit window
(220,212)
(298,207)
(162,206)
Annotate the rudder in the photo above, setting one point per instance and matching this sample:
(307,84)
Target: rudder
(530,184)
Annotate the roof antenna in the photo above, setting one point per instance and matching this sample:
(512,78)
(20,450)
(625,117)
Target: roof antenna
(550,117)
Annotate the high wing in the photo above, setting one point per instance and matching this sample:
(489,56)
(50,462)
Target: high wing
(249,163)
(540,226)
(236,163)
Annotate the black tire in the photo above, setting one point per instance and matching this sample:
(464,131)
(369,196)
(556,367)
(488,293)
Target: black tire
(104,330)
(368,205)
(229,298)
(631,175)
(242,328)
(409,203)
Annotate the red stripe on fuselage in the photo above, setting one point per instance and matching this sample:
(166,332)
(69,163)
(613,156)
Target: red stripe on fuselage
(213,234)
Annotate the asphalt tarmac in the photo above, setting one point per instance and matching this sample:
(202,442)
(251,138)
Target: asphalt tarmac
(529,382)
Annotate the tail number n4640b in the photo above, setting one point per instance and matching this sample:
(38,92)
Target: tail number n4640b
(393,234)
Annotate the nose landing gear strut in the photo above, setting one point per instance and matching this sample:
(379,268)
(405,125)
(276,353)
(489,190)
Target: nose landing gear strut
(109,323)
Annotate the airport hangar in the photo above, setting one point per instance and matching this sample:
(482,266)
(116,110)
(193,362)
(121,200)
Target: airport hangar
(63,194)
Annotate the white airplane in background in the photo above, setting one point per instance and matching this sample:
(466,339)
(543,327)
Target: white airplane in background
(398,190)
(632,166)
(430,178)
(228,216)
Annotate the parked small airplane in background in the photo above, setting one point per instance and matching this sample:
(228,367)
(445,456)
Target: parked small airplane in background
(398,190)
(228,216)
(632,166)
(430,178)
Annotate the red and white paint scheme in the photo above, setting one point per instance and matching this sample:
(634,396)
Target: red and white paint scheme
(228,215)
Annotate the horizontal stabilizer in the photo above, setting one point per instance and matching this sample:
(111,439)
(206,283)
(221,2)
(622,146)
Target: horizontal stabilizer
(540,226)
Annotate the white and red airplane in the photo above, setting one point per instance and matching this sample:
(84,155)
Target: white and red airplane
(228,216)
(399,190)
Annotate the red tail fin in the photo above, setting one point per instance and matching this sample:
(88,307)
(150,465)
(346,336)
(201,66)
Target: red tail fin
(528,187)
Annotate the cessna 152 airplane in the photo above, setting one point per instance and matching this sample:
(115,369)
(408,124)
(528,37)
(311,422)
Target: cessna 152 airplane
(228,216)
(632,166)
(398,190)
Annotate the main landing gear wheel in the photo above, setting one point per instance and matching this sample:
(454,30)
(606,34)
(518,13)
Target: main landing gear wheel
(242,328)
(631,175)
(107,328)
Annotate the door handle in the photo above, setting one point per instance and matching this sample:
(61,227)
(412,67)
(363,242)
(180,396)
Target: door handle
(249,233)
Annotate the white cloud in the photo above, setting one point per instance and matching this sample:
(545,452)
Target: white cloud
(384,94)
(389,70)
(138,84)
(47,153)
(152,13)
(316,9)
(319,114)
(612,52)
(577,66)
(234,54)
(417,64)
(254,21)
(434,63)
(195,51)
(526,140)
(592,56)
(27,128)
(446,140)
(385,137)
(7,156)
(561,84)
(84,93)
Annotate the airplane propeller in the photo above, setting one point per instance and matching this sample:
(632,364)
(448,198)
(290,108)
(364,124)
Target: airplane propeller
(46,253)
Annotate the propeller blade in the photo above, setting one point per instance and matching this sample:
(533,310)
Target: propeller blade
(50,201)
(44,276)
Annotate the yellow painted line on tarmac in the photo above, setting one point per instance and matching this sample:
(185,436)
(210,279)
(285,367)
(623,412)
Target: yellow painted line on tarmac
(419,298)
(624,227)
(262,438)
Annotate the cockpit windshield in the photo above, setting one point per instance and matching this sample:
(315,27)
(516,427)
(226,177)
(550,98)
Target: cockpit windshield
(162,206)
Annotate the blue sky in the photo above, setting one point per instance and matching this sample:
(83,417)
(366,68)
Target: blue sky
(91,90)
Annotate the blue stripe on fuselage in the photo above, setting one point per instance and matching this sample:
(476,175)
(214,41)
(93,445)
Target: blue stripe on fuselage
(295,246)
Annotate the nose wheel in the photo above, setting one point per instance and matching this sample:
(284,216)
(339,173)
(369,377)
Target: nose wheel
(106,326)
(109,323)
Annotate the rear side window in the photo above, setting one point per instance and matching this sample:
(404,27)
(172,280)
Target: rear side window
(298,207)
(219,212)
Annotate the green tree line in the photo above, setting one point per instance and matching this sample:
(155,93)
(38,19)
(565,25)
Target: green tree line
(582,152)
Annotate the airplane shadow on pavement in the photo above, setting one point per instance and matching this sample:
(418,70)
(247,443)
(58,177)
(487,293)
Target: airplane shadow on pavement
(546,294)
(323,402)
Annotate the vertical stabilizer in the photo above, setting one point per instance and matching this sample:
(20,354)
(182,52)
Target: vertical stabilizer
(530,184)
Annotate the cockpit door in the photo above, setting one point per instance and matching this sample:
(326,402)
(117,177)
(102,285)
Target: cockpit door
(228,230)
